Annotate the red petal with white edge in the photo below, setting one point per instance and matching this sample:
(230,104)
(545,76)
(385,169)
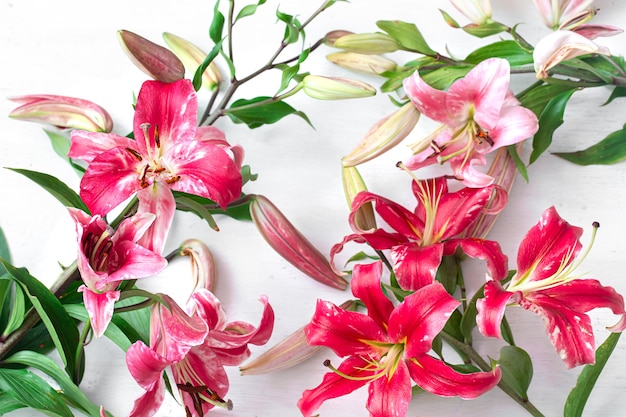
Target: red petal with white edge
(366,287)
(390,397)
(485,88)
(491,309)
(145,365)
(334,386)
(110,179)
(570,332)
(547,245)
(436,377)
(86,146)
(416,266)
(420,317)
(429,101)
(345,332)
(399,218)
(99,305)
(169,108)
(488,250)
(205,170)
(158,200)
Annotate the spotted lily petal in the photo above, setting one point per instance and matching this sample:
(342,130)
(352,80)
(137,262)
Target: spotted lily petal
(390,397)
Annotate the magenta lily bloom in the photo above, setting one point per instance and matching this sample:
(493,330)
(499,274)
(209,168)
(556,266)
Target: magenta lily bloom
(387,348)
(168,153)
(422,237)
(197,347)
(106,257)
(478,114)
(545,284)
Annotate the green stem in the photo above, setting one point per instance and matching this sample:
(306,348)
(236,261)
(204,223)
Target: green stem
(486,367)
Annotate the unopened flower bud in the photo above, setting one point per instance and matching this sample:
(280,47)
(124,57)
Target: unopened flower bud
(367,43)
(367,64)
(332,88)
(202,263)
(333,35)
(289,352)
(285,239)
(63,112)
(352,185)
(158,62)
(478,11)
(192,57)
(384,135)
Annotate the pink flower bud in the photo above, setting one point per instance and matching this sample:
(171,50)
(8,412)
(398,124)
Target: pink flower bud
(158,62)
(63,112)
(291,244)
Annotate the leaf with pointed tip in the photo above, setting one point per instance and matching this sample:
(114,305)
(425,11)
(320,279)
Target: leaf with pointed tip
(616,93)
(197,76)
(549,121)
(407,35)
(609,150)
(517,369)
(509,50)
(255,115)
(248,10)
(31,390)
(217,24)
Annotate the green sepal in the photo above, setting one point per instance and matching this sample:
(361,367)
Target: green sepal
(609,150)
(254,115)
(577,398)
(549,121)
(407,35)
(31,390)
(517,369)
(56,187)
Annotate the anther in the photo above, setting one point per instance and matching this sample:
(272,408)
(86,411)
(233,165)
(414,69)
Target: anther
(134,153)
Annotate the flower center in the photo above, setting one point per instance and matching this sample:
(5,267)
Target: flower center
(97,249)
(191,385)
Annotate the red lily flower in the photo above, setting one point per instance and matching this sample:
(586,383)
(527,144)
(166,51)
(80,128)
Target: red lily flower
(168,153)
(106,257)
(196,347)
(545,284)
(387,348)
(422,237)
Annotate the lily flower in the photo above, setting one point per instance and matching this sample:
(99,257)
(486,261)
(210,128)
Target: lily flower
(196,346)
(106,257)
(387,348)
(420,238)
(168,153)
(573,15)
(478,115)
(545,283)
(478,11)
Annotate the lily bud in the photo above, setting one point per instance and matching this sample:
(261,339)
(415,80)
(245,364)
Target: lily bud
(63,112)
(158,62)
(333,35)
(192,57)
(367,43)
(202,264)
(560,46)
(352,185)
(332,88)
(285,239)
(287,353)
(367,64)
(478,11)
(384,135)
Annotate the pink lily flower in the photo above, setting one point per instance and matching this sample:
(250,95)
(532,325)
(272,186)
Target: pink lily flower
(479,115)
(545,284)
(573,15)
(387,348)
(420,238)
(196,347)
(168,153)
(106,257)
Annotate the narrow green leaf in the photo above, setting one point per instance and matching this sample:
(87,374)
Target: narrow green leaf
(217,24)
(60,144)
(59,324)
(56,187)
(549,121)
(5,253)
(199,210)
(509,50)
(468,322)
(407,35)
(32,391)
(8,404)
(249,10)
(197,77)
(17,311)
(238,212)
(113,331)
(519,164)
(609,150)
(485,29)
(447,273)
(137,320)
(255,115)
(292,27)
(577,398)
(449,20)
(536,98)
(517,369)
(616,93)
(288,73)
(50,368)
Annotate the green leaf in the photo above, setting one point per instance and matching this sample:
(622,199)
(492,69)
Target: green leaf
(59,324)
(136,323)
(113,331)
(56,187)
(447,273)
(237,212)
(249,10)
(255,115)
(50,368)
(8,404)
(198,209)
(550,120)
(517,369)
(60,144)
(17,311)
(449,20)
(485,29)
(577,398)
(441,78)
(407,35)
(609,150)
(509,50)
(519,164)
(197,77)
(292,27)
(536,98)
(32,391)
(217,25)
(616,93)
(5,253)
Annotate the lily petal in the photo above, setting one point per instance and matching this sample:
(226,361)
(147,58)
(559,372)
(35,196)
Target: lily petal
(366,287)
(390,397)
(87,145)
(491,309)
(99,306)
(489,250)
(158,200)
(428,100)
(416,266)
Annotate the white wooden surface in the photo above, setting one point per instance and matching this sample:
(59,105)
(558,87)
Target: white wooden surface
(69,47)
